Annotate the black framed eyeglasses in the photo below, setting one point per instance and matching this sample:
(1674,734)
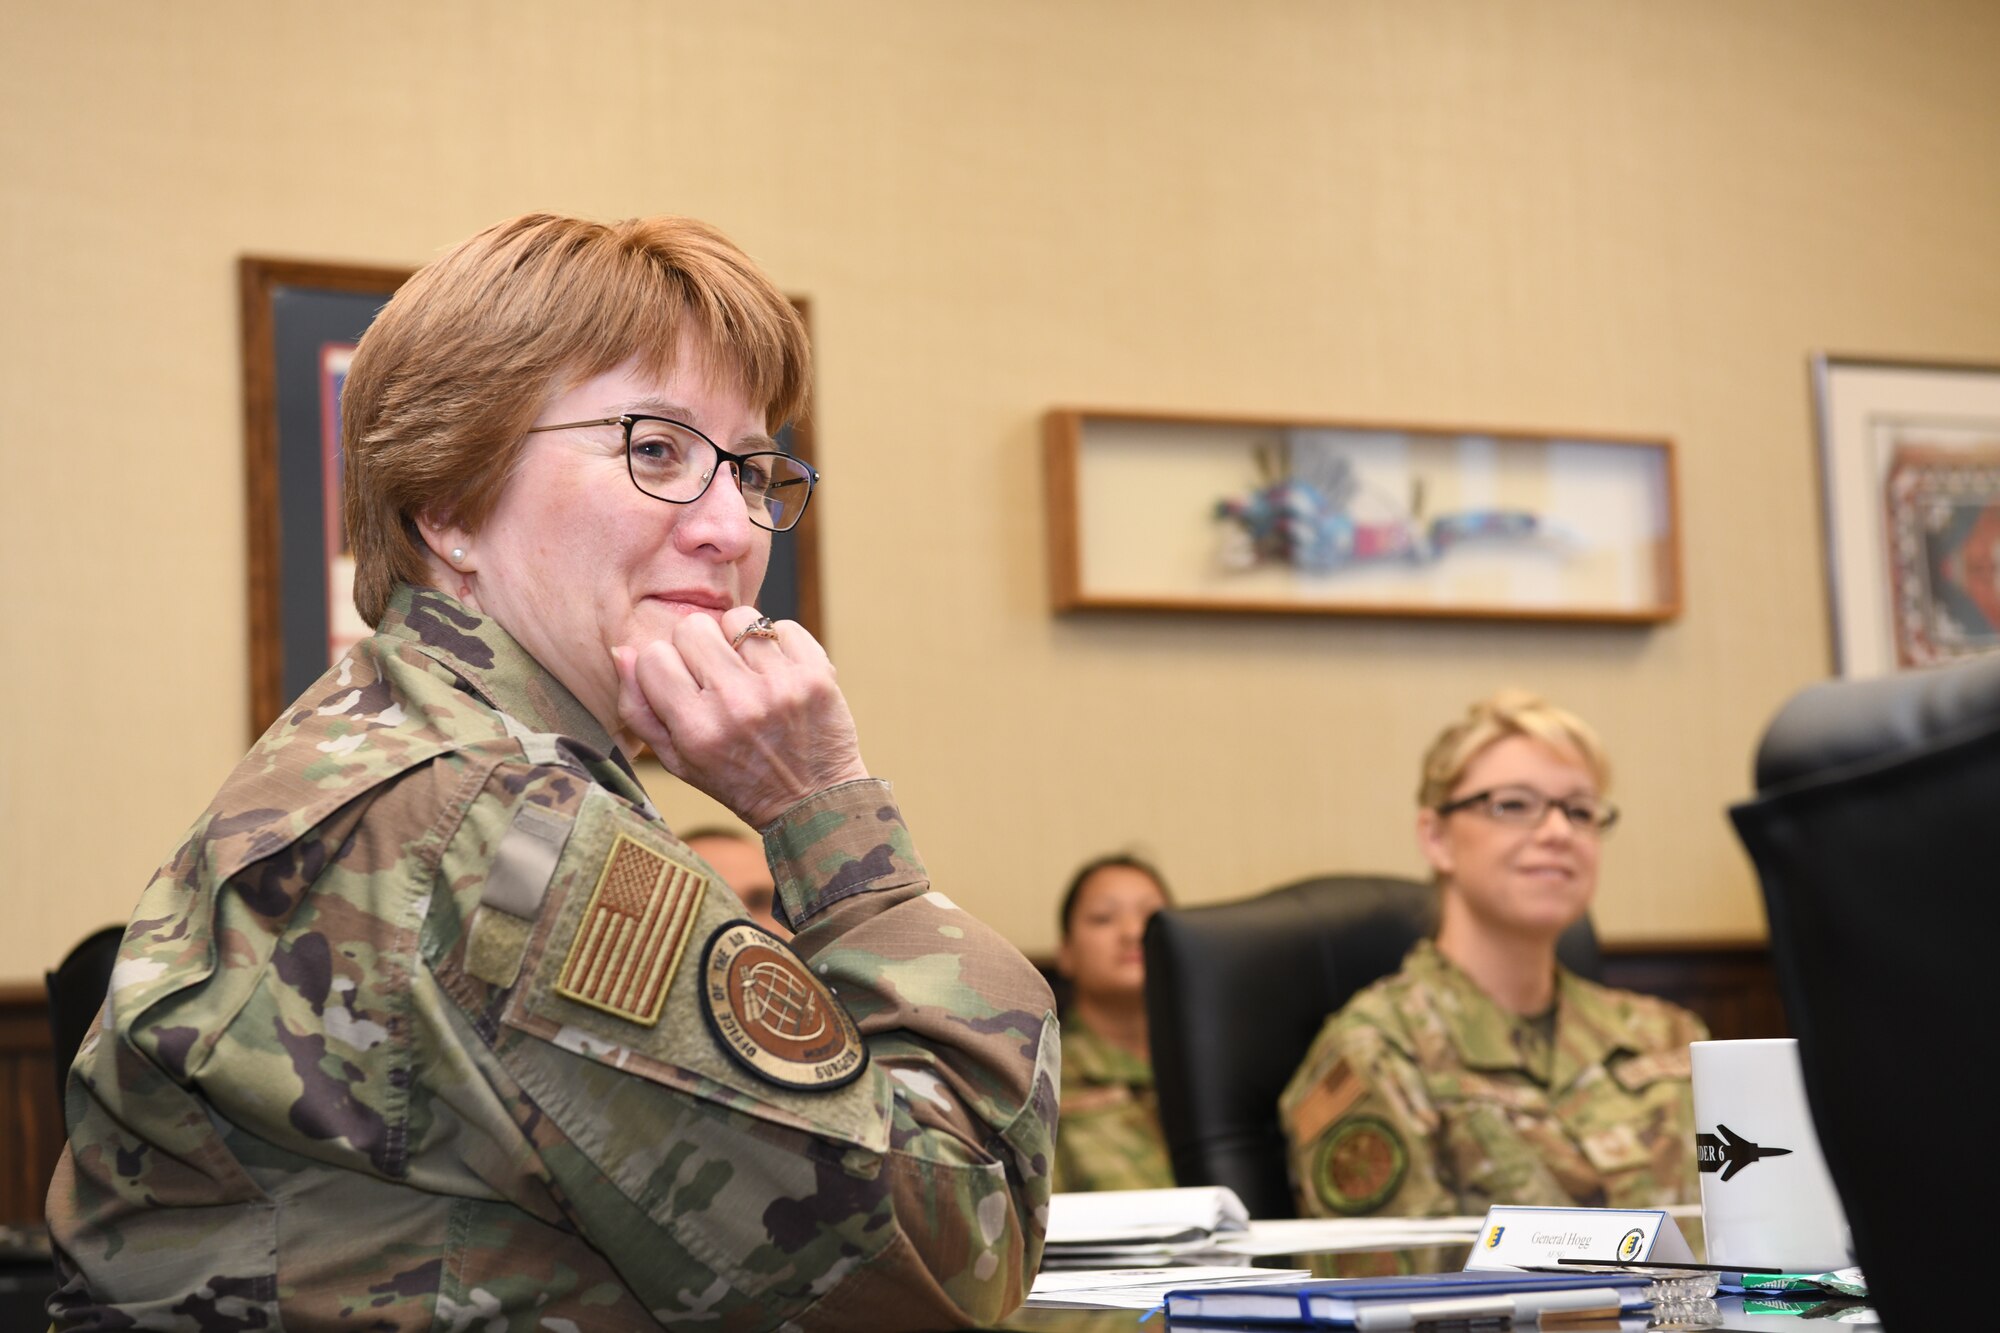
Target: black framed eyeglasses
(1524,807)
(672,461)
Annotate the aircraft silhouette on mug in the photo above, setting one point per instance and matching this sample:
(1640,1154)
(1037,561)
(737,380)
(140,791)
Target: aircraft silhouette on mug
(1729,1153)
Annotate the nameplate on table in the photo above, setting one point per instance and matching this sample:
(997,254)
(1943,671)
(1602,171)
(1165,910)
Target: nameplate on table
(1537,1237)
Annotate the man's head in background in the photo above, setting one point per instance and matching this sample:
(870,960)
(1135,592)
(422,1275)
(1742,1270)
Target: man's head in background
(739,859)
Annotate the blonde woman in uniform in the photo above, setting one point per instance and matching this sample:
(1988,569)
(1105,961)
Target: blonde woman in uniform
(1484,1072)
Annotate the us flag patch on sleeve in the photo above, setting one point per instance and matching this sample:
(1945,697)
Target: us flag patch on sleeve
(632,934)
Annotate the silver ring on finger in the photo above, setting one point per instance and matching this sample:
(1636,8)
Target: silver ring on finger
(760,628)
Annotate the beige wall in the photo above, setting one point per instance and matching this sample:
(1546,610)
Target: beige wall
(1626,217)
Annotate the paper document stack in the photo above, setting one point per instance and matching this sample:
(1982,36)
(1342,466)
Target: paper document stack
(1336,1235)
(1206,1224)
(1129,1226)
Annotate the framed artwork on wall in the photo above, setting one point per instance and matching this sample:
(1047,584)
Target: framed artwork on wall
(1910,485)
(1169,512)
(301,321)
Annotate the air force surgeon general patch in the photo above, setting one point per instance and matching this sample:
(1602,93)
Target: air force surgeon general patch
(773,1015)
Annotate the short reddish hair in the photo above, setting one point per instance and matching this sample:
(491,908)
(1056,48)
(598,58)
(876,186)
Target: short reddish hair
(459,363)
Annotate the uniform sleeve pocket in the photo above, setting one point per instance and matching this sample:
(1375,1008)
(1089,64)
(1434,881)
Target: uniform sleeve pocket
(640,962)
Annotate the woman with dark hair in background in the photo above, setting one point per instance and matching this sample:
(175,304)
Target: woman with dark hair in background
(1108,1135)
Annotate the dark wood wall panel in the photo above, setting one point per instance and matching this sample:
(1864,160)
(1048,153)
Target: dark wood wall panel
(31,1135)
(1731,986)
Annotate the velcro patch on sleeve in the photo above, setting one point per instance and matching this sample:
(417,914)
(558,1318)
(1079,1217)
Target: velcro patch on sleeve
(494,945)
(634,929)
(517,881)
(525,861)
(1330,1099)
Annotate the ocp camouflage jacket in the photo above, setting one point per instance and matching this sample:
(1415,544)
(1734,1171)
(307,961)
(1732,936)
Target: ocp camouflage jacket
(431,1023)
(1110,1136)
(1423,1096)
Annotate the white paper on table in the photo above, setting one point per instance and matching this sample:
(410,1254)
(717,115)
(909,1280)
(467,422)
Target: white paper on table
(1138,1254)
(1143,1288)
(1333,1235)
(1115,1217)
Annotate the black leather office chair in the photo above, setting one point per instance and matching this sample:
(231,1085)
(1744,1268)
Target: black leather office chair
(76,992)
(1235,994)
(1873,833)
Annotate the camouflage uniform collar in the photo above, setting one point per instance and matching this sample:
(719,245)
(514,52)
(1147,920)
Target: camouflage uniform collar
(1489,1036)
(1591,1027)
(1480,1029)
(1089,1058)
(504,674)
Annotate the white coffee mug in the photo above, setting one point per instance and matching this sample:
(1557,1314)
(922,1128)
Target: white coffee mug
(1766,1198)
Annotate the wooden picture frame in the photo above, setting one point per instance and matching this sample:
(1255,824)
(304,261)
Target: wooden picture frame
(1909,463)
(300,319)
(1161,511)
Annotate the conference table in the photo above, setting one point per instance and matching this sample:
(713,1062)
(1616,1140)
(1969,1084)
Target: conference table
(1725,1313)
(22,1289)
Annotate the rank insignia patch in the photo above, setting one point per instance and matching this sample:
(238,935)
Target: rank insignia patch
(773,1015)
(1359,1166)
(632,934)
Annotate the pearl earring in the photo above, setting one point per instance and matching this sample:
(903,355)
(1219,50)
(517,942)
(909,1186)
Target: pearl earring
(457,554)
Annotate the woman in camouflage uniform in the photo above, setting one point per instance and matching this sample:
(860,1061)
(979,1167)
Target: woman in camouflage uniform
(431,1022)
(1109,1138)
(1483,1072)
